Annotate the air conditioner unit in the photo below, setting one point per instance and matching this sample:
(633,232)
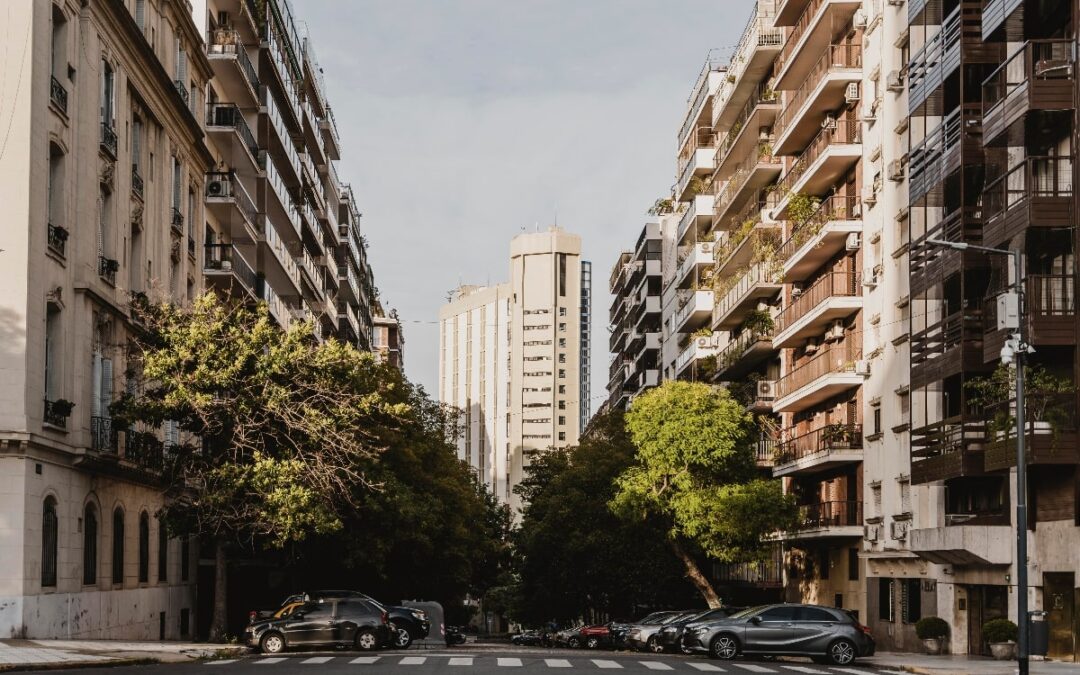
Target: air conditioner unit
(811,346)
(859,20)
(872,532)
(899,529)
(765,390)
(835,332)
(216,188)
(862,367)
(851,94)
(796,292)
(869,279)
(894,81)
(854,241)
(869,196)
(704,342)
(829,122)
(896,170)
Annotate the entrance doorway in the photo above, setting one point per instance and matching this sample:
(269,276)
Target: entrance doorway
(984,604)
(1059,600)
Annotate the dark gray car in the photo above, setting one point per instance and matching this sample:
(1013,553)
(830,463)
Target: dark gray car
(825,634)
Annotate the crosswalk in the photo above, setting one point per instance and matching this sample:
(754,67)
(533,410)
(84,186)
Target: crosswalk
(692,666)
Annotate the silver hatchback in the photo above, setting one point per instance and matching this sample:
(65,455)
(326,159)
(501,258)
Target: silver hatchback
(825,634)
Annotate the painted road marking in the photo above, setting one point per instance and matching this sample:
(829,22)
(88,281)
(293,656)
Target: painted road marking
(707,667)
(271,660)
(655,665)
(558,663)
(412,660)
(754,669)
(460,660)
(604,663)
(808,671)
(367,660)
(509,662)
(318,659)
(220,663)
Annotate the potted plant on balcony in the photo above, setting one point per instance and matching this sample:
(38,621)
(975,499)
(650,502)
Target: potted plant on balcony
(1044,391)
(1001,635)
(62,407)
(759,322)
(836,435)
(801,207)
(933,631)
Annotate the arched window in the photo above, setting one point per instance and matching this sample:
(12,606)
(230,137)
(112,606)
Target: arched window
(49,536)
(144,548)
(118,546)
(90,537)
(162,552)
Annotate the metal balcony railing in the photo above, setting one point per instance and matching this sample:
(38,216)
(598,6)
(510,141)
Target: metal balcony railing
(846,513)
(840,132)
(796,446)
(225,258)
(808,17)
(1034,177)
(227,185)
(831,209)
(230,115)
(762,95)
(102,434)
(1034,61)
(829,285)
(1050,295)
(58,94)
(227,41)
(58,237)
(108,139)
(834,359)
(137,184)
(107,269)
(56,414)
(836,56)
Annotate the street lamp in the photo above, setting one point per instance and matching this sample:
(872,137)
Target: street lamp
(1015,349)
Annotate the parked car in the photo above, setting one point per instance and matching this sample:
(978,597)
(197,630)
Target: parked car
(408,623)
(333,622)
(455,635)
(568,637)
(529,638)
(670,636)
(825,634)
(646,635)
(597,636)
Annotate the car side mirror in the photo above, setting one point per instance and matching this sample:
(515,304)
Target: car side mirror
(755,620)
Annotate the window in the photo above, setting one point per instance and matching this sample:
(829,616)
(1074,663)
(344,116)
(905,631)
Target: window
(177,172)
(56,186)
(108,95)
(910,600)
(140,14)
(104,209)
(562,274)
(144,548)
(562,388)
(562,435)
(185,558)
(562,420)
(562,327)
(877,419)
(118,546)
(562,358)
(49,537)
(136,144)
(815,614)
(779,614)
(562,405)
(905,496)
(52,335)
(853,564)
(885,599)
(562,311)
(562,343)
(90,527)
(875,500)
(162,553)
(562,374)
(59,44)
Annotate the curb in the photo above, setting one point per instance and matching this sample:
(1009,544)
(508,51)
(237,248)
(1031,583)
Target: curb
(76,665)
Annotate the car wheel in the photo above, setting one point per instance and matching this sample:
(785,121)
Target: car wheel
(573,643)
(841,653)
(403,638)
(724,647)
(592,643)
(654,645)
(366,641)
(272,643)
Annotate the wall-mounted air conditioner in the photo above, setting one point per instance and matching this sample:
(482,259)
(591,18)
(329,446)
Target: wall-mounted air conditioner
(854,241)
(894,81)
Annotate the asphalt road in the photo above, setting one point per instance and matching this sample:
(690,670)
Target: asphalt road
(488,661)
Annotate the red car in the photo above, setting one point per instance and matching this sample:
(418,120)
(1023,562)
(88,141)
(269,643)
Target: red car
(595,637)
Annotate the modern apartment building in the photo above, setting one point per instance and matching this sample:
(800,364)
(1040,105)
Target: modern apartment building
(388,338)
(510,360)
(634,316)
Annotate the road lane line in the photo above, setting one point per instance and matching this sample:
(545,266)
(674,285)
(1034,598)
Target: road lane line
(754,669)
(604,663)
(655,665)
(460,661)
(220,663)
(412,660)
(509,662)
(557,663)
(318,659)
(367,660)
(270,661)
(707,667)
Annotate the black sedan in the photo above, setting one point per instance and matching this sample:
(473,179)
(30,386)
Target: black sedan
(408,623)
(337,622)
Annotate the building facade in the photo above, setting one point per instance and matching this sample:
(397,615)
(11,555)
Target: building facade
(388,338)
(635,283)
(510,360)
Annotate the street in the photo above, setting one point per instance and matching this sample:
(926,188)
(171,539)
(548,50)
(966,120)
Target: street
(491,661)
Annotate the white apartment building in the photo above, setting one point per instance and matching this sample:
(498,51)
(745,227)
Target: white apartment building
(510,360)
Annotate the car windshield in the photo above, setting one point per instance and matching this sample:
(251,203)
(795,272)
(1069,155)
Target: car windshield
(749,611)
(675,617)
(656,617)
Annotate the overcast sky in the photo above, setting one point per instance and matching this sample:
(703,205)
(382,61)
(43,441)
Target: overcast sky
(465,121)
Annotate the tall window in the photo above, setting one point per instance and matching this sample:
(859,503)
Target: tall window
(562,274)
(885,599)
(144,548)
(49,537)
(108,94)
(162,552)
(103,229)
(52,335)
(176,176)
(910,600)
(59,43)
(56,186)
(90,538)
(136,145)
(140,14)
(118,546)
(102,382)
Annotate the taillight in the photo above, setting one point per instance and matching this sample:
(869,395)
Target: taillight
(252,615)
(385,618)
(865,629)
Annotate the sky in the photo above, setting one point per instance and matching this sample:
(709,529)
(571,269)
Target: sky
(465,122)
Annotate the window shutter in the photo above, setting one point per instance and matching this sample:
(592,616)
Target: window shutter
(106,386)
(104,90)
(140,14)
(95,407)
(101,226)
(136,143)
(181,65)
(176,184)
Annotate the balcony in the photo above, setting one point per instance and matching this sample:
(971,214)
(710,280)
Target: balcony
(279,308)
(813,32)
(280,269)
(822,91)
(831,154)
(331,138)
(703,138)
(108,140)
(821,449)
(107,269)
(102,435)
(964,545)
(58,95)
(738,247)
(744,291)
(743,353)
(226,124)
(751,62)
(947,347)
(224,267)
(1037,192)
(930,264)
(816,240)
(1050,431)
(642,342)
(350,287)
(757,116)
(281,147)
(697,217)
(57,239)
(956,142)
(828,520)
(695,353)
(789,11)
(959,40)
(233,70)
(691,260)
(831,371)
(757,574)
(699,164)
(996,13)
(709,79)
(231,205)
(756,170)
(347,319)
(1040,75)
(695,307)
(833,296)
(950,448)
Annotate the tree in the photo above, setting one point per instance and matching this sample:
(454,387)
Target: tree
(279,434)
(574,556)
(695,471)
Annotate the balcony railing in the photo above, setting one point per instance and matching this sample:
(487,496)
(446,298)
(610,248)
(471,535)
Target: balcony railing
(830,514)
(831,209)
(818,441)
(808,17)
(56,413)
(762,95)
(935,340)
(144,449)
(1034,62)
(227,185)
(837,358)
(840,132)
(230,115)
(58,94)
(58,237)
(227,41)
(699,94)
(225,258)
(829,285)
(102,434)
(181,88)
(761,273)
(703,137)
(1051,295)
(136,182)
(836,56)
(107,269)
(108,139)
(758,155)
(735,349)
(176,219)
(1035,177)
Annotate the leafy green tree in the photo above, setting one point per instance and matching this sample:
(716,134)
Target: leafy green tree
(695,471)
(280,435)
(574,556)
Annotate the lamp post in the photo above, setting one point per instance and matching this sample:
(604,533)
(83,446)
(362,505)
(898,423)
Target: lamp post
(1015,349)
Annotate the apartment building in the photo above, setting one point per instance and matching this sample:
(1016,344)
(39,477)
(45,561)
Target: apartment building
(510,360)
(634,315)
(102,173)
(388,338)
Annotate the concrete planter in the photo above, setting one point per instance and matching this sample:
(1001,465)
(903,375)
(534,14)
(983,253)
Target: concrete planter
(934,646)
(1003,651)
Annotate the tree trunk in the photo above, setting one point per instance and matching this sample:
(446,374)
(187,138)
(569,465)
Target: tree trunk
(693,572)
(219,621)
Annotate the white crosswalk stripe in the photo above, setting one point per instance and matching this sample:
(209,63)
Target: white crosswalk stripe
(318,659)
(707,667)
(271,660)
(754,669)
(220,663)
(604,663)
(366,660)
(856,671)
(655,665)
(509,662)
(557,663)
(808,671)
(460,661)
(412,660)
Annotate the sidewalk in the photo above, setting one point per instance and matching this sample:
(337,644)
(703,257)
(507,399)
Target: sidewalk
(963,665)
(77,653)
